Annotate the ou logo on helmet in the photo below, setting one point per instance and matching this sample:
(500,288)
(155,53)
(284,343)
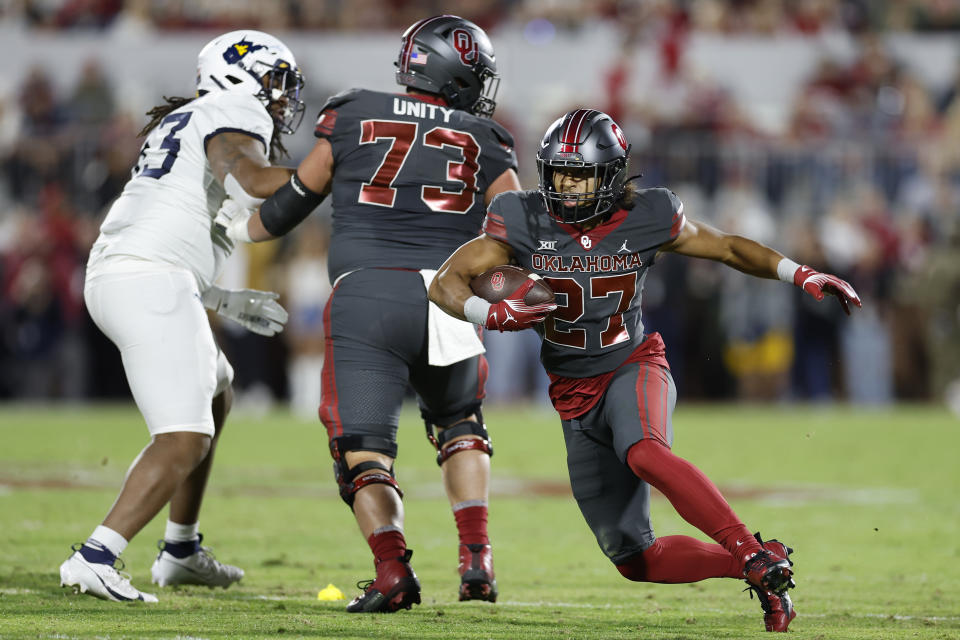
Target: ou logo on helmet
(466,46)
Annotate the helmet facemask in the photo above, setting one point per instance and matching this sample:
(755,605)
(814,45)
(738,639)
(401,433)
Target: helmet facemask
(609,179)
(489,86)
(282,85)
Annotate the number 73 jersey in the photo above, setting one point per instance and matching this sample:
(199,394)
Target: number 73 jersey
(166,210)
(597,276)
(409,178)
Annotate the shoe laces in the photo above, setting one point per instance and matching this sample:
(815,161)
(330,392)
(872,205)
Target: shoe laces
(365,585)
(762,596)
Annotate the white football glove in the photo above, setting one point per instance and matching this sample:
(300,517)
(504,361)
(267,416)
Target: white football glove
(233,218)
(257,311)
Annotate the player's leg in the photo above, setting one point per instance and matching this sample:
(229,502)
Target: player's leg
(450,407)
(158,323)
(363,383)
(638,405)
(182,558)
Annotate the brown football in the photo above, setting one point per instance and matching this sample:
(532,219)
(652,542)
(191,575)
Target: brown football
(493,285)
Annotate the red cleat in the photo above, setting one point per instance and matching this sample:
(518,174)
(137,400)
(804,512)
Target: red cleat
(769,569)
(476,573)
(777,609)
(396,587)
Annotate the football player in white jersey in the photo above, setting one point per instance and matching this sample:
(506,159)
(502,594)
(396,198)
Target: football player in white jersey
(149,277)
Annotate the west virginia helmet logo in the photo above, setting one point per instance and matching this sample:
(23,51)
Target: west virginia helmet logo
(237,50)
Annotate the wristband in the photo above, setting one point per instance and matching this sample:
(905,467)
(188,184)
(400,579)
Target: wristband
(476,310)
(786,268)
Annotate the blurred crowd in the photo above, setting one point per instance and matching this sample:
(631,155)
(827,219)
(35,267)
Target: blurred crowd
(863,181)
(766,17)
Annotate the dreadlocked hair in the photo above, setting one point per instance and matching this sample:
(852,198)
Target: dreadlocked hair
(158,113)
(277,150)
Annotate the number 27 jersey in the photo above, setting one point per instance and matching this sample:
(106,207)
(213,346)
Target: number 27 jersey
(597,275)
(409,179)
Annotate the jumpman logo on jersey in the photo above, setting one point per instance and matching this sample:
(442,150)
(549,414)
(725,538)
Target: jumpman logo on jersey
(623,248)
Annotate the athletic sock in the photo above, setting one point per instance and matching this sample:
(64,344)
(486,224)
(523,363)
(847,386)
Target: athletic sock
(176,532)
(103,546)
(676,559)
(471,517)
(694,496)
(387,543)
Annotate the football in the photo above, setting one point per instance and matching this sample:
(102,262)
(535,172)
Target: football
(493,285)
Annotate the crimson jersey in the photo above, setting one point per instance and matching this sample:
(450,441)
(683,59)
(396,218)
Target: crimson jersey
(409,178)
(597,276)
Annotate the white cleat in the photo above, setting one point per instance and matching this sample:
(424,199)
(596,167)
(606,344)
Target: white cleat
(100,580)
(199,568)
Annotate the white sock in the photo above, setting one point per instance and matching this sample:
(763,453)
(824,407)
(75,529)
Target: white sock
(181,532)
(113,541)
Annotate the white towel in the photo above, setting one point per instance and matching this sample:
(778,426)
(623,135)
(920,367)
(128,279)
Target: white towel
(449,340)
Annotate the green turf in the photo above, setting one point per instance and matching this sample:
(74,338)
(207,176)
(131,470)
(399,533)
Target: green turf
(868,499)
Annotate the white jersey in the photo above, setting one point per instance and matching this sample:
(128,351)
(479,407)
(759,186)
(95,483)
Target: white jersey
(165,213)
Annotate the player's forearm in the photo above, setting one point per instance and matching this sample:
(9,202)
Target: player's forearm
(751,257)
(450,290)
(263,182)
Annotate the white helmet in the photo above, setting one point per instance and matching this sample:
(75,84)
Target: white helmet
(257,63)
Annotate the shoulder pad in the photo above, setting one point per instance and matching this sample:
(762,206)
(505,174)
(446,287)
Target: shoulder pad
(341,98)
(501,133)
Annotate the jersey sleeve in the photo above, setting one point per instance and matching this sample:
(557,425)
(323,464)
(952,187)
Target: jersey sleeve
(677,219)
(500,154)
(327,119)
(494,224)
(235,112)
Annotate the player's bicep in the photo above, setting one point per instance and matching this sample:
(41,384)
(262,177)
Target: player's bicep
(506,181)
(699,240)
(235,153)
(316,170)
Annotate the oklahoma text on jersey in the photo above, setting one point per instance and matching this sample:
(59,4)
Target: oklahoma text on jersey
(567,264)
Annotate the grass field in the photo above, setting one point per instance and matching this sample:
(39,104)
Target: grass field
(868,499)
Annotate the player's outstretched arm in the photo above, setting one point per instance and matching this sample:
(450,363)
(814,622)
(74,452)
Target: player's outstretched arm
(244,158)
(299,194)
(699,240)
(450,290)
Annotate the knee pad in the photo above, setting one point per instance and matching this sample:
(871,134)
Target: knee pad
(346,476)
(470,427)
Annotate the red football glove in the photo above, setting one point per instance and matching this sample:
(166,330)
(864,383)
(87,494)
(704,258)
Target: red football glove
(817,284)
(513,314)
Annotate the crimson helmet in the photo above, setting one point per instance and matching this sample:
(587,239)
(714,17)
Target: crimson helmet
(584,139)
(451,57)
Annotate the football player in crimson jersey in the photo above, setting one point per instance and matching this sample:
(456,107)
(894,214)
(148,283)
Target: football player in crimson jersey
(410,175)
(149,277)
(592,237)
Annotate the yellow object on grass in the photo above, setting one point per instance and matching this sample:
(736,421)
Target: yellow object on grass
(330,592)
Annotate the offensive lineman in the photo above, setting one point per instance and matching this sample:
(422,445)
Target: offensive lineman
(592,238)
(149,277)
(411,175)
